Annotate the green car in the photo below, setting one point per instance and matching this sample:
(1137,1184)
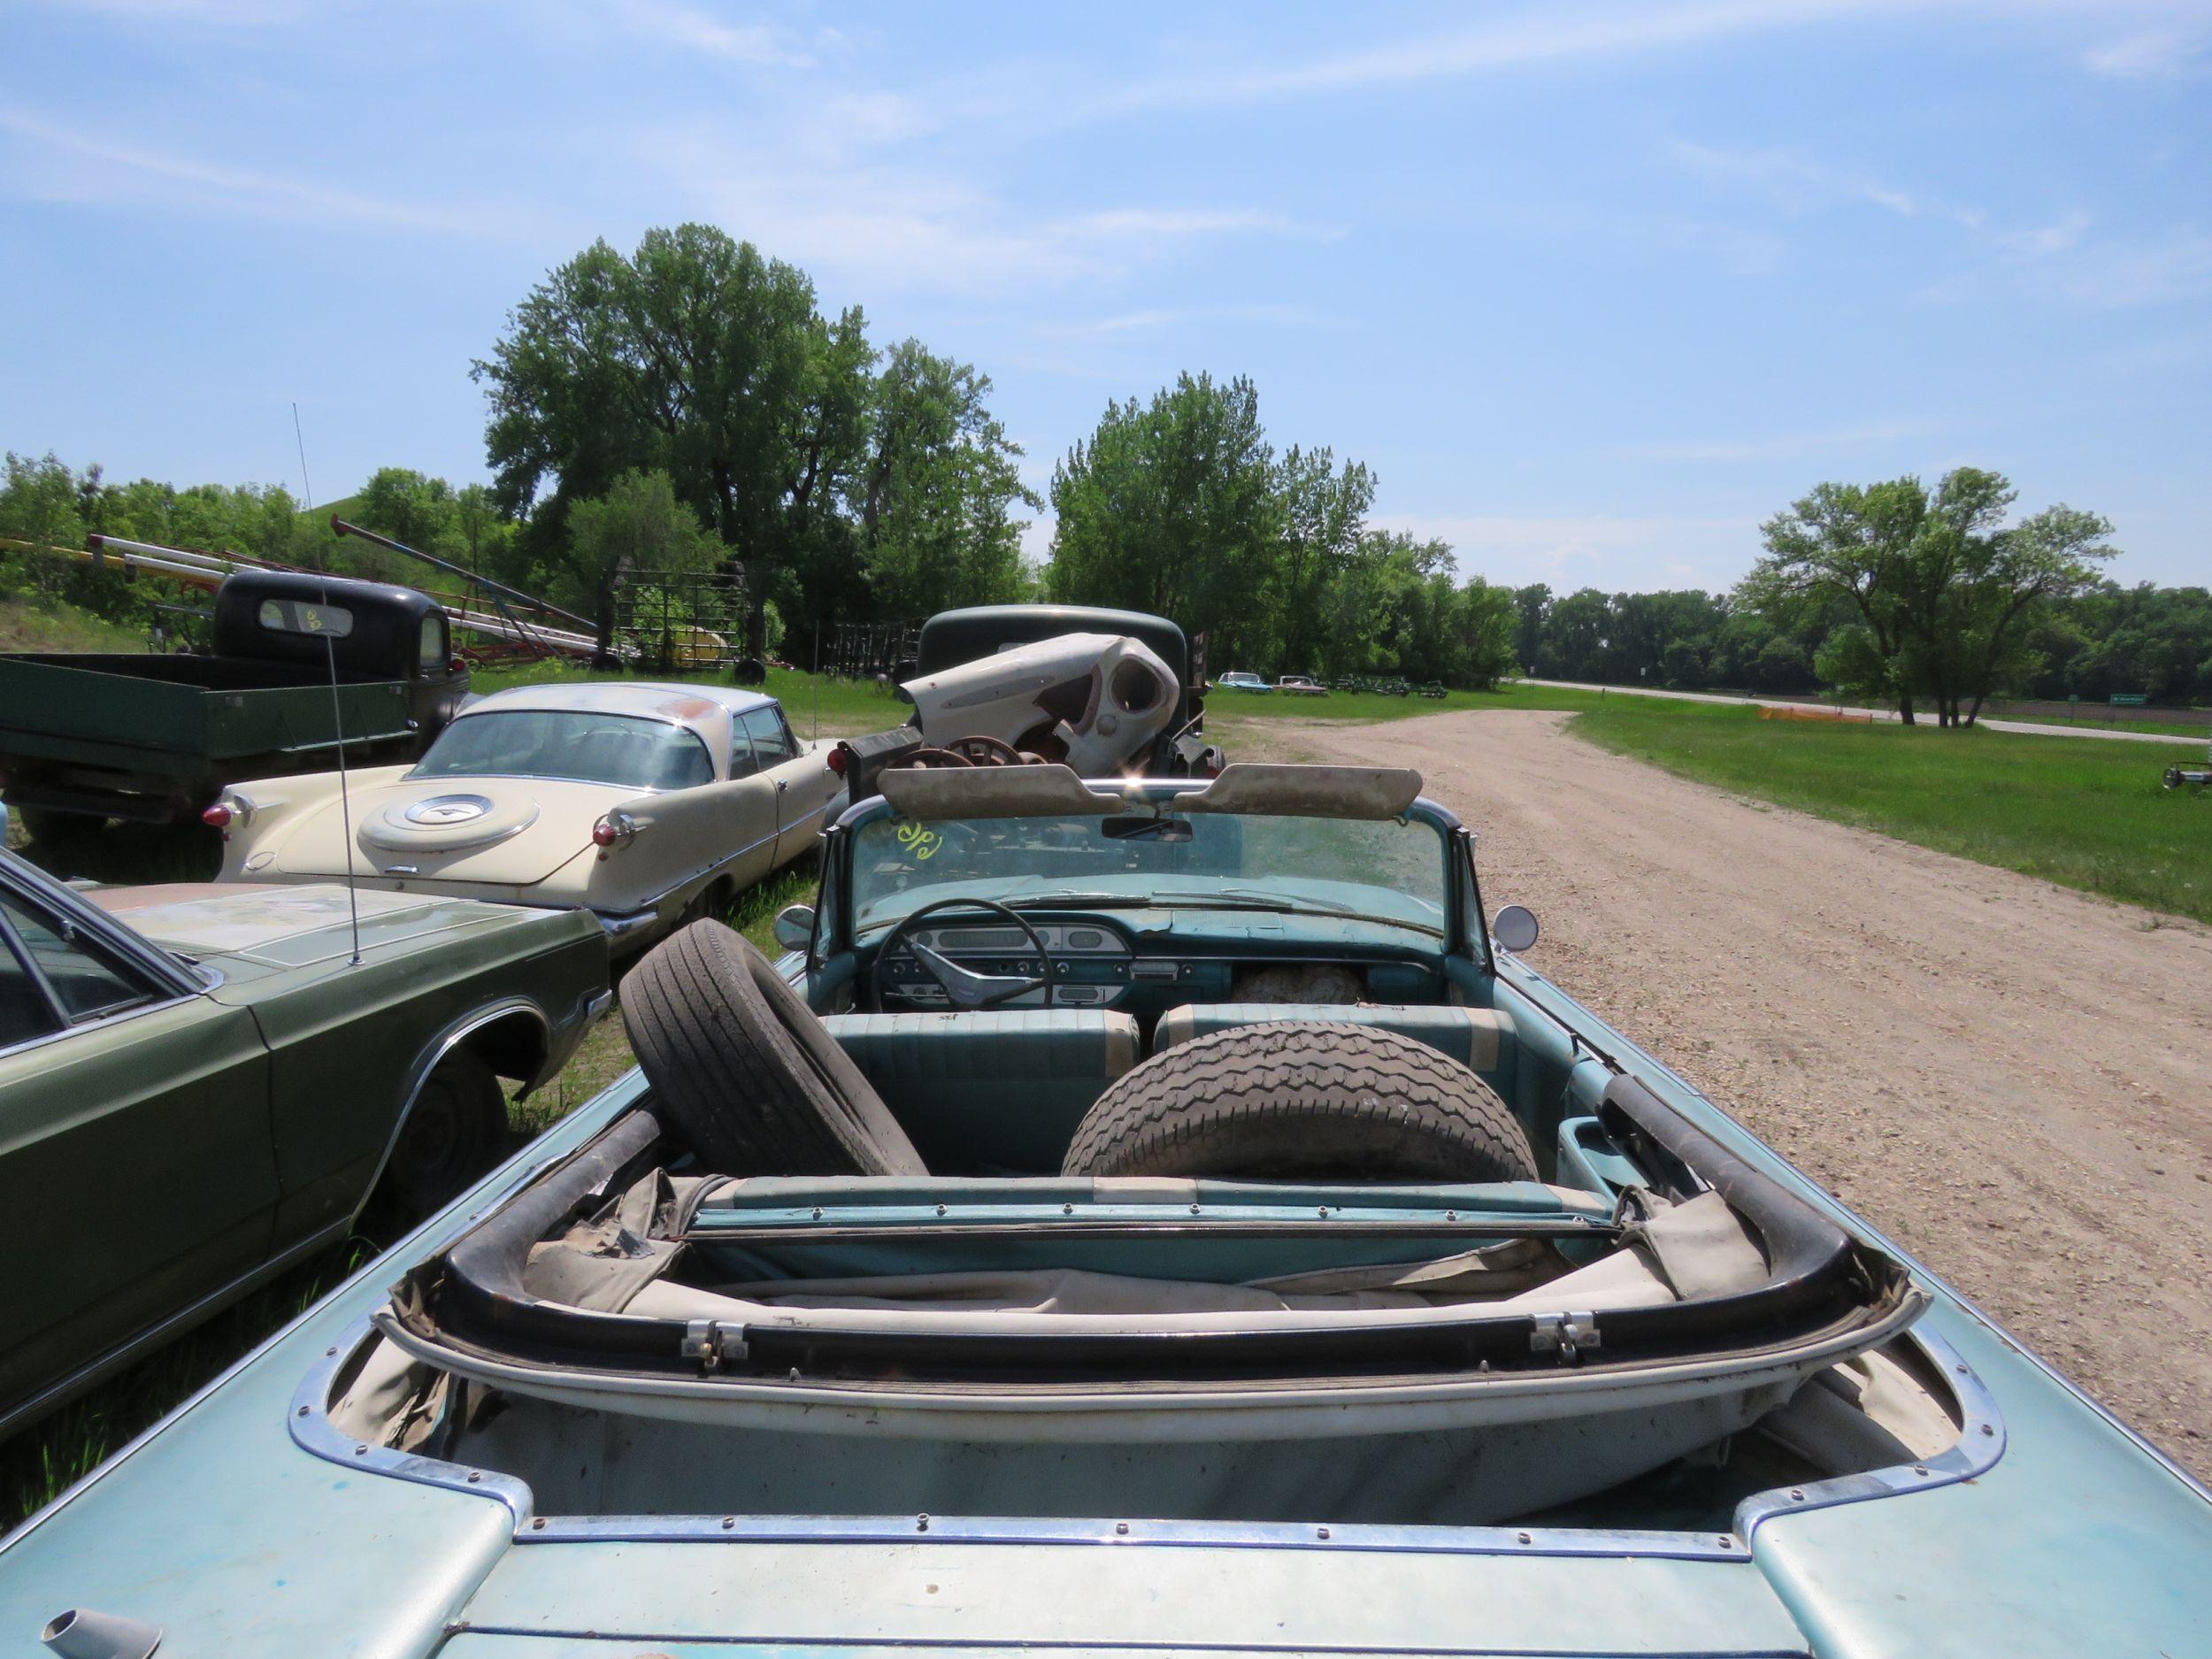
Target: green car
(201,1084)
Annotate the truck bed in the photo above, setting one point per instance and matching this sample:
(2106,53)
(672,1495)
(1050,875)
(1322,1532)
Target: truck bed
(181,718)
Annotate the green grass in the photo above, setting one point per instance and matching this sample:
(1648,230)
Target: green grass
(43,1461)
(27,625)
(1372,706)
(2073,810)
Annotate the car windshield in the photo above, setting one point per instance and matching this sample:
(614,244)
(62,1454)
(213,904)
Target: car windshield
(578,744)
(1392,872)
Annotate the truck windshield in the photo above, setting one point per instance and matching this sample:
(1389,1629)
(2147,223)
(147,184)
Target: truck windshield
(573,743)
(1391,872)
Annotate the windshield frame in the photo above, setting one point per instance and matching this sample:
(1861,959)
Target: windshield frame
(1462,936)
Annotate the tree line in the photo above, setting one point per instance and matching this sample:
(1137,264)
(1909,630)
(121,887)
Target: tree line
(1928,599)
(690,408)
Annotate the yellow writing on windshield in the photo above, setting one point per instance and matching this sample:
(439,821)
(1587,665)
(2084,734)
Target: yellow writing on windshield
(919,838)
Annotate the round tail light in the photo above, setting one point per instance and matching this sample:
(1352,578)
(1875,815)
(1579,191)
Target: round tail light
(605,833)
(836,760)
(218,817)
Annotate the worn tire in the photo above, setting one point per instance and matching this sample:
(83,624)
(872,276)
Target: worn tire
(744,1071)
(1301,1100)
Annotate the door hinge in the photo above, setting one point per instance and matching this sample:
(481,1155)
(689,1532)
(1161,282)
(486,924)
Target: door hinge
(1565,1334)
(713,1344)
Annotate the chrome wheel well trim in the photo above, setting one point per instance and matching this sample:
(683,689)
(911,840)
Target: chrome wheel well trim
(427,1061)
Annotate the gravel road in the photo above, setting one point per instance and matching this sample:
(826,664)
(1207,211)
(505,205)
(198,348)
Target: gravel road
(2011,1079)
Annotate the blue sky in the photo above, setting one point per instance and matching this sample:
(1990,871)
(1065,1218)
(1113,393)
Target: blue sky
(1593,290)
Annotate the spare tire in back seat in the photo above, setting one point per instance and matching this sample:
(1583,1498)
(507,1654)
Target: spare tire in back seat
(1303,1099)
(745,1070)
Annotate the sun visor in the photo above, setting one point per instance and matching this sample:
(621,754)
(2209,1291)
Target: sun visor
(934,793)
(1348,792)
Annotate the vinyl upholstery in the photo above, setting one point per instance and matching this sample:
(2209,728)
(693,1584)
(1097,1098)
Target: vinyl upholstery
(991,1088)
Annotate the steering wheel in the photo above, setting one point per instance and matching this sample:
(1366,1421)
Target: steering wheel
(963,989)
(986,751)
(934,760)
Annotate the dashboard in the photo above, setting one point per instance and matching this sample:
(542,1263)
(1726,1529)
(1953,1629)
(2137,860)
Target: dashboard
(1094,963)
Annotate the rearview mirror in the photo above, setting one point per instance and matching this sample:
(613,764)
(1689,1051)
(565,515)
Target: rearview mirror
(1514,928)
(794,926)
(1139,827)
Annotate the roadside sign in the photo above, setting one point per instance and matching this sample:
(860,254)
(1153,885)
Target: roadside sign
(2129,699)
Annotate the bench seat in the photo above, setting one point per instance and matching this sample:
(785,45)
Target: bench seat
(990,1088)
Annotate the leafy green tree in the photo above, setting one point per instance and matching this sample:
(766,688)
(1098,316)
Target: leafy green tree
(1321,510)
(1172,507)
(935,492)
(698,358)
(2003,580)
(1853,547)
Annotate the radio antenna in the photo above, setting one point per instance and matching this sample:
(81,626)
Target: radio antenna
(337,709)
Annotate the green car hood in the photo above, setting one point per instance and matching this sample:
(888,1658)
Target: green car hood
(248,930)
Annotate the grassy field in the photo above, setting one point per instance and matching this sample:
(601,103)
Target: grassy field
(38,1465)
(28,626)
(2073,810)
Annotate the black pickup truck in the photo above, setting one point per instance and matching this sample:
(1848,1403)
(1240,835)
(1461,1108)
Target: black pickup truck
(151,738)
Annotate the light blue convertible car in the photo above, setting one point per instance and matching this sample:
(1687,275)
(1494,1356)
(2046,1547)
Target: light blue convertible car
(1145,1216)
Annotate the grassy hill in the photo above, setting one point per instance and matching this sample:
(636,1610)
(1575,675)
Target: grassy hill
(27,626)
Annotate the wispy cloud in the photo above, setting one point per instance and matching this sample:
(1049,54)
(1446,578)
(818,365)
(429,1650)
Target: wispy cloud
(1778,446)
(65,163)
(2160,54)
(1168,317)
(1798,184)
(908,224)
(696,28)
(1536,37)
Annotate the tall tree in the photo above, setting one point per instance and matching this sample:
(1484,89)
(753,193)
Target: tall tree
(936,489)
(1323,508)
(1172,507)
(1851,545)
(698,356)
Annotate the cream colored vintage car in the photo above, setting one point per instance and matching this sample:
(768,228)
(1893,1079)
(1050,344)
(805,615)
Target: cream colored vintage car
(648,805)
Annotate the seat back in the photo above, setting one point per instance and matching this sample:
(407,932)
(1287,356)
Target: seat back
(1478,1038)
(991,1089)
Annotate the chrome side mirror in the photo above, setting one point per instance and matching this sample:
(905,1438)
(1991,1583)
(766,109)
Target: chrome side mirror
(1514,928)
(794,926)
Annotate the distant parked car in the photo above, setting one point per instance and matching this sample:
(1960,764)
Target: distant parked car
(199,1086)
(1302,685)
(1237,681)
(646,804)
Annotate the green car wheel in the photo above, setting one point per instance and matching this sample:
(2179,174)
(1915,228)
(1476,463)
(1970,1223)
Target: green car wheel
(457,1129)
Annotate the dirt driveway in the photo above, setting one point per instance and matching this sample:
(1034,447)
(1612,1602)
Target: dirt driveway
(2013,1080)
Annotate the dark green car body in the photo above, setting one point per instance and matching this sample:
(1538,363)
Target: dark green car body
(200,1085)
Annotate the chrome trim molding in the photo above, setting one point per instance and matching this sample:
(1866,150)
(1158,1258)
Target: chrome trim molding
(313,1432)
(427,1061)
(1981,1442)
(963,1529)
